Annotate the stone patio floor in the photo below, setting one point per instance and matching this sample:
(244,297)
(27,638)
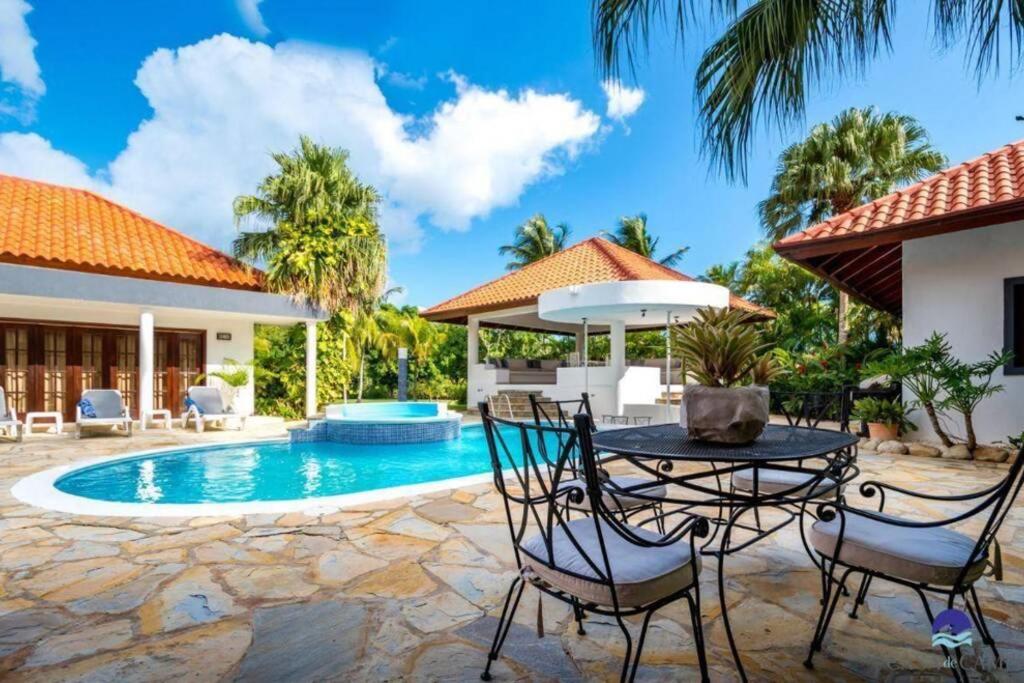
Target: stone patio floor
(409,589)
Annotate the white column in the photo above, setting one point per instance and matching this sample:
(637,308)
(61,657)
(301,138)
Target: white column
(579,344)
(473,342)
(145,363)
(617,339)
(311,405)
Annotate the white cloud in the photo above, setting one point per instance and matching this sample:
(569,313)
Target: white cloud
(623,101)
(253,18)
(32,156)
(18,65)
(407,81)
(222,105)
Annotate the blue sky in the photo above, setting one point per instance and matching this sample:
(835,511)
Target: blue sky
(469,116)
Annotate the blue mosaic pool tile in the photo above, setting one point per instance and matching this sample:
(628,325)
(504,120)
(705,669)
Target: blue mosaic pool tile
(379,432)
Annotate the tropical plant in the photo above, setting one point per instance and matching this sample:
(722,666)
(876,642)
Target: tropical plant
(967,384)
(320,240)
(369,334)
(917,368)
(859,156)
(233,373)
(534,240)
(771,52)
(631,233)
(721,348)
(882,411)
(1016,441)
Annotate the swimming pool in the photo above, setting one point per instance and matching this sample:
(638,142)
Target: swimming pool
(388,422)
(266,476)
(386,411)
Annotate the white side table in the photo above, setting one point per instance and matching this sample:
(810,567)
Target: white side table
(58,419)
(157,413)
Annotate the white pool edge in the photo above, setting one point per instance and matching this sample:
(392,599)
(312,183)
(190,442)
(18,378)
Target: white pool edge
(40,490)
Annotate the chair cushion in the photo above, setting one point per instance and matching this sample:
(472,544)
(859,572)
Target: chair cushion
(642,575)
(208,400)
(106,403)
(933,555)
(770,480)
(616,501)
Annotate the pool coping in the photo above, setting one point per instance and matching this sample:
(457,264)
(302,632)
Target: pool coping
(39,490)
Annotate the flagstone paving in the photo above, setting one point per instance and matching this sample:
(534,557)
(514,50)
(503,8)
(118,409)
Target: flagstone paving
(410,590)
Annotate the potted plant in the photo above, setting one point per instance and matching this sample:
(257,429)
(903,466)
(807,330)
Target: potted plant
(886,419)
(723,351)
(233,376)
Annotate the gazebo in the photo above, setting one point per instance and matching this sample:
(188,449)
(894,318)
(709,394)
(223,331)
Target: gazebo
(514,301)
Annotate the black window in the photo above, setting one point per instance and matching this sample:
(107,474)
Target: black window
(1014,324)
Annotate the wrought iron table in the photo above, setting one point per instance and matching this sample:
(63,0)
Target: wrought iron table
(823,459)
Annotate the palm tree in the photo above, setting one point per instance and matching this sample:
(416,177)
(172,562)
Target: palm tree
(369,332)
(859,156)
(772,52)
(320,242)
(534,240)
(632,234)
(728,275)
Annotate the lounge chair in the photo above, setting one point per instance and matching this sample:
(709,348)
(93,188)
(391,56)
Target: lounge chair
(205,404)
(9,421)
(108,410)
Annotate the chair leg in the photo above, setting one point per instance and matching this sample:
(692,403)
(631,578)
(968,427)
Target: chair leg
(630,665)
(698,632)
(577,612)
(504,623)
(862,594)
(828,607)
(986,635)
(957,673)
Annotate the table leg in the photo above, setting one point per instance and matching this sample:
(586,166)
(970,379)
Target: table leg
(60,424)
(723,551)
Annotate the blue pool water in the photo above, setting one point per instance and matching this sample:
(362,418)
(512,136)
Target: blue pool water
(389,410)
(278,471)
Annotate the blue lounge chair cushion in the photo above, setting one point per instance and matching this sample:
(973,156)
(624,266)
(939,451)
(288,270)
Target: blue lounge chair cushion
(87,408)
(189,403)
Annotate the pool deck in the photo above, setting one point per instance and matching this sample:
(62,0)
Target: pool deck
(408,589)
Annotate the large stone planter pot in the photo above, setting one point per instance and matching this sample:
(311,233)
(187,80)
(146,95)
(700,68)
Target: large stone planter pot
(733,415)
(883,432)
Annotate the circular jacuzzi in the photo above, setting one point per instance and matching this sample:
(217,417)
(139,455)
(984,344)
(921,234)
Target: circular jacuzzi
(390,422)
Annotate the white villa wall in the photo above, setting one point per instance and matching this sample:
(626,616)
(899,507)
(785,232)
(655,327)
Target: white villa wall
(954,284)
(239,348)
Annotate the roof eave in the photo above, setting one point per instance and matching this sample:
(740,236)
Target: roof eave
(990,214)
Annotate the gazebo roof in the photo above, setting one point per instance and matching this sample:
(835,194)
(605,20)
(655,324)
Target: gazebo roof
(861,251)
(592,260)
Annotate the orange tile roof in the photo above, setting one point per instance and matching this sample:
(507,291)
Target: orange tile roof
(61,227)
(985,184)
(592,260)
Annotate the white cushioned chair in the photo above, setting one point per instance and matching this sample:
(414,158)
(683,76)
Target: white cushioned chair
(617,495)
(599,563)
(109,408)
(9,421)
(208,407)
(926,556)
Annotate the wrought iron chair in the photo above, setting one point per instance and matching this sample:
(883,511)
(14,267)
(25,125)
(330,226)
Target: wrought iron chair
(926,556)
(801,409)
(597,564)
(549,413)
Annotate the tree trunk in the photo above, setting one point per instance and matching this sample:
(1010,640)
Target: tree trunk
(929,409)
(362,366)
(844,307)
(972,440)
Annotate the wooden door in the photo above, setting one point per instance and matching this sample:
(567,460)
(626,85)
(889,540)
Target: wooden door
(190,363)
(15,367)
(124,368)
(161,376)
(55,371)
